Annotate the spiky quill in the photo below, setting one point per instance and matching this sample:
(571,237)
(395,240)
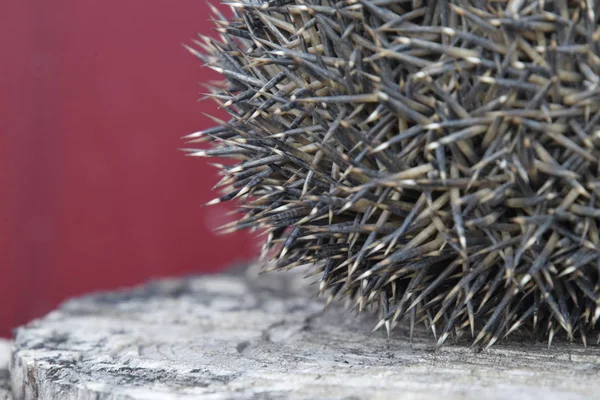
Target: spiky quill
(436,160)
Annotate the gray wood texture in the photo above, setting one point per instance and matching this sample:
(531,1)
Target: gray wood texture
(5,351)
(233,336)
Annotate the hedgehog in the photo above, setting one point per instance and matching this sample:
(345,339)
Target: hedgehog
(435,162)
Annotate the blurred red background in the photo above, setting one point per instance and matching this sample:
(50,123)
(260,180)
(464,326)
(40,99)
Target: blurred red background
(94,193)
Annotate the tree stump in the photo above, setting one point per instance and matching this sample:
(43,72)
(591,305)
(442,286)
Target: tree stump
(5,348)
(235,336)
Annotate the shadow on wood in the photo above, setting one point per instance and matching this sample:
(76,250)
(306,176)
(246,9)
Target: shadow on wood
(5,350)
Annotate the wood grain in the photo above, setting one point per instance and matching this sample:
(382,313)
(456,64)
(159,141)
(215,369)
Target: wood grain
(231,336)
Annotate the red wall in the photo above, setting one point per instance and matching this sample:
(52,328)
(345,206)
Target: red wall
(94,98)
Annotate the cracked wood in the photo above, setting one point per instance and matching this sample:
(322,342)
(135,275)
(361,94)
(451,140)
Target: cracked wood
(238,336)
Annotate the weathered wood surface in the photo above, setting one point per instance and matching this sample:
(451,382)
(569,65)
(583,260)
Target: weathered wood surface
(5,349)
(235,337)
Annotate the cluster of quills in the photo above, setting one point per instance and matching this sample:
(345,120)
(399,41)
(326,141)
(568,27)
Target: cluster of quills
(434,160)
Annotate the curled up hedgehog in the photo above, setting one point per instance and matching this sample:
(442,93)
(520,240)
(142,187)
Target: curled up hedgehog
(436,160)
